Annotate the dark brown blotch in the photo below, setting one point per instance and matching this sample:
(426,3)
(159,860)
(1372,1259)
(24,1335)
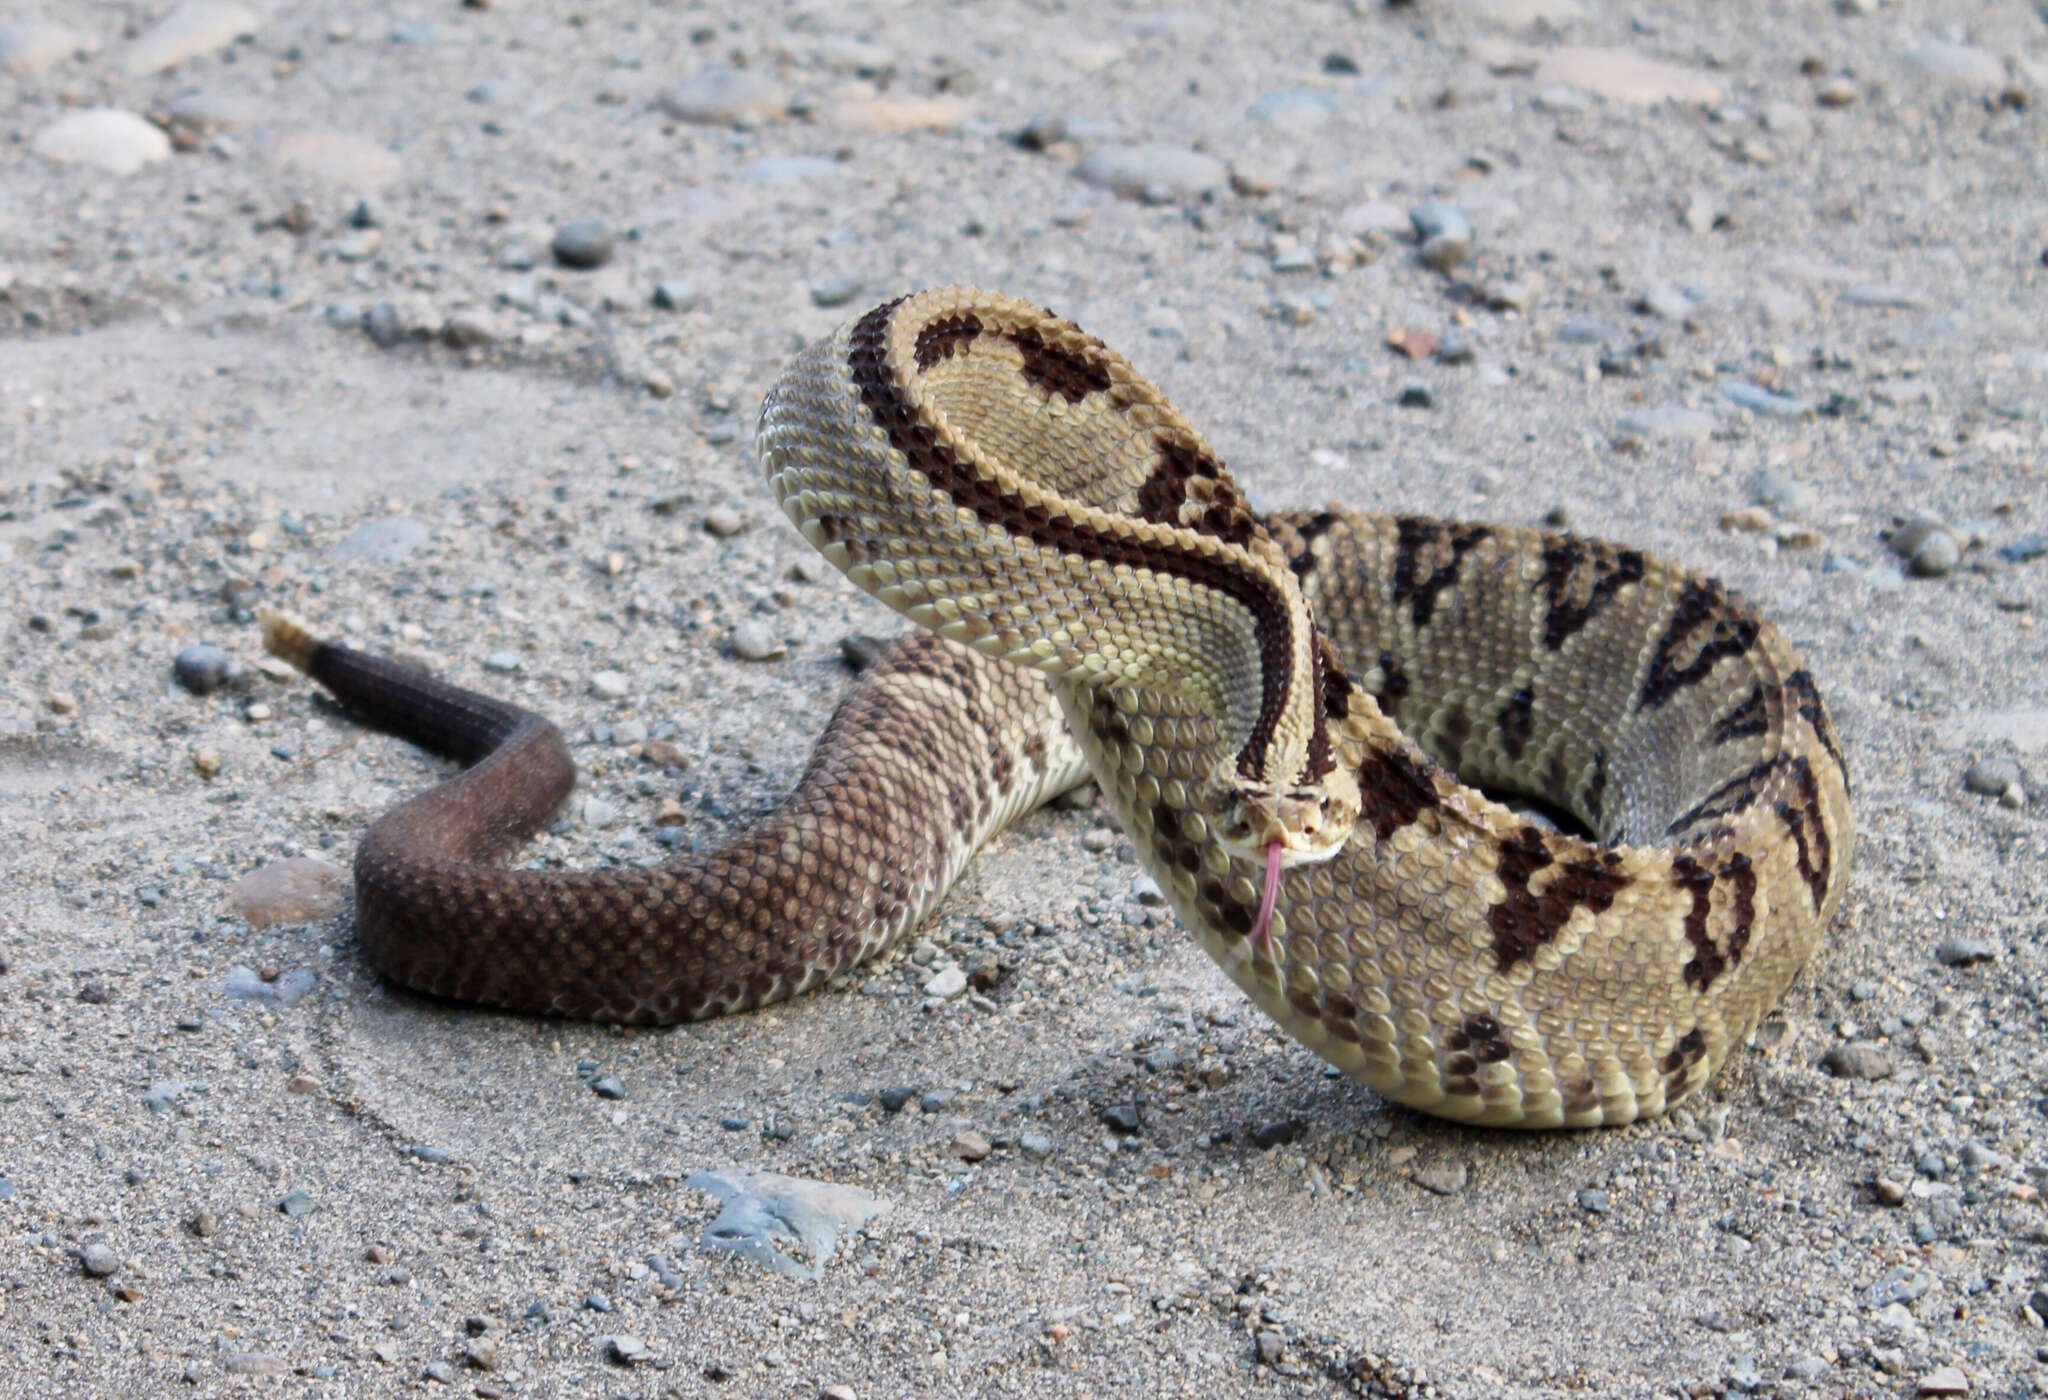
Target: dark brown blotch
(1749,718)
(1394,683)
(1525,921)
(1427,558)
(1057,370)
(945,337)
(1395,787)
(1677,1064)
(1710,624)
(1518,722)
(1580,577)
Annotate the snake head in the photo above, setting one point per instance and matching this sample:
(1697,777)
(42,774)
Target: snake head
(1308,824)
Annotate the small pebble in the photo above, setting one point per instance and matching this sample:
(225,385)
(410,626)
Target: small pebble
(1992,777)
(1888,1192)
(675,294)
(893,1099)
(608,1086)
(1123,1118)
(1036,1146)
(98,1261)
(949,983)
(609,685)
(835,291)
(1859,1059)
(724,521)
(582,243)
(970,1146)
(623,1350)
(1447,1179)
(1944,1380)
(1153,174)
(1929,547)
(203,668)
(1277,1134)
(503,662)
(753,641)
(1964,952)
(1416,393)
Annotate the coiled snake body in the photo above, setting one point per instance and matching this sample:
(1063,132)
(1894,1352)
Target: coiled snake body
(1274,709)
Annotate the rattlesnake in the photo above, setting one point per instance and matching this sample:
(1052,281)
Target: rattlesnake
(1274,710)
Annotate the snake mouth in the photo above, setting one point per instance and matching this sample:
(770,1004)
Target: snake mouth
(1296,828)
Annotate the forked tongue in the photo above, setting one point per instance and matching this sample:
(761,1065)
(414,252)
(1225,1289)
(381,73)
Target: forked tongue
(1270,895)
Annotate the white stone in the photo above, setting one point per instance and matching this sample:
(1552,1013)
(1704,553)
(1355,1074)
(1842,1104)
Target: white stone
(187,32)
(107,138)
(32,46)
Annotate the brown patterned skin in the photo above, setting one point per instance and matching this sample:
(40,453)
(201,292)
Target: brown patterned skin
(1313,683)
(933,750)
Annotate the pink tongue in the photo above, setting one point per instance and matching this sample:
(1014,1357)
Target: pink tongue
(1270,895)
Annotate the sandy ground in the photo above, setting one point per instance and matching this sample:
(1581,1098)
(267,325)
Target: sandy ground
(1749,285)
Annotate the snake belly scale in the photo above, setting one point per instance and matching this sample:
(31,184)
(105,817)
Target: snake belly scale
(1287,715)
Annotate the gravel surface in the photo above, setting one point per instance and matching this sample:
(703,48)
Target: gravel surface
(447,326)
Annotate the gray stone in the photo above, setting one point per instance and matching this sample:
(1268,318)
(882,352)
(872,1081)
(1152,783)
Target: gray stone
(191,29)
(675,294)
(502,662)
(1782,493)
(1294,110)
(1962,951)
(1887,297)
(836,291)
(382,325)
(1758,399)
(1123,1118)
(623,1349)
(385,540)
(1036,1146)
(1993,777)
(1416,393)
(1446,251)
(98,1261)
(1808,1368)
(608,1086)
(1594,1201)
(609,685)
(726,96)
(1434,218)
(30,47)
(1670,423)
(1445,1179)
(948,984)
(297,1202)
(203,668)
(582,243)
(1961,66)
(753,641)
(1928,546)
(1666,302)
(1859,1059)
(1900,1284)
(1587,330)
(724,521)
(1154,174)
